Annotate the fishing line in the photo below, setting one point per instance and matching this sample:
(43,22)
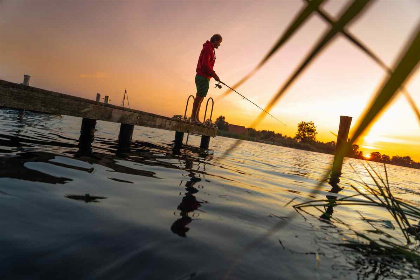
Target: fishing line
(220,86)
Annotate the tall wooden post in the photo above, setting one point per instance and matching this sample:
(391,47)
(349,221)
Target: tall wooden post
(87,134)
(125,136)
(343,134)
(179,136)
(205,142)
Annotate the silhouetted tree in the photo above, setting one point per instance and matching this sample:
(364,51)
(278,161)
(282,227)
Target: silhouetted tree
(306,132)
(251,132)
(222,124)
(267,135)
(355,151)
(375,156)
(403,161)
(385,159)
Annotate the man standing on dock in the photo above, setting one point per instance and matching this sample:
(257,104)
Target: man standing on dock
(204,73)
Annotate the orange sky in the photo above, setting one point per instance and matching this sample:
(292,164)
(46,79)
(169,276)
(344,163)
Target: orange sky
(151,48)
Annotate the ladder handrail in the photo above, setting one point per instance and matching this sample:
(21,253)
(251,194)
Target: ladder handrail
(212,105)
(186,107)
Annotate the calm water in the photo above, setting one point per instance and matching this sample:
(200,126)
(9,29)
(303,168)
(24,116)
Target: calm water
(153,214)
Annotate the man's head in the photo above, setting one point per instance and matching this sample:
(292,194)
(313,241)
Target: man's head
(216,40)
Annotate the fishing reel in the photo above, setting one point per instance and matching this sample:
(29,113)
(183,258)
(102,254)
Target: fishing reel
(218,85)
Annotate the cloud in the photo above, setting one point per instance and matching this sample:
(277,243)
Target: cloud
(97,75)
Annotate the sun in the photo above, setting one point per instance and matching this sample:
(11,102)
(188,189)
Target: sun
(367,156)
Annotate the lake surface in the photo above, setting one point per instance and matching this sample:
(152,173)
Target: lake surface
(151,213)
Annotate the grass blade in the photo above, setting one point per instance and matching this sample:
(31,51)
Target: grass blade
(293,27)
(404,69)
(354,10)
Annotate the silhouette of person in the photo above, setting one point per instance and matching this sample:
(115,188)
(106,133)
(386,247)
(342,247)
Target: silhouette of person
(205,72)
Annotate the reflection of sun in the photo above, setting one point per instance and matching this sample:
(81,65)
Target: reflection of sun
(367,156)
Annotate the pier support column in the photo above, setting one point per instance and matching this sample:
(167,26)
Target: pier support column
(87,134)
(343,134)
(179,136)
(205,142)
(126,135)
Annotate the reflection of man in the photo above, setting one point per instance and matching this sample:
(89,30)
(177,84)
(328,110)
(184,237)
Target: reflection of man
(188,204)
(204,73)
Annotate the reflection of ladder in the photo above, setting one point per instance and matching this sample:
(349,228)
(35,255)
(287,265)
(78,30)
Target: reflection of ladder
(125,97)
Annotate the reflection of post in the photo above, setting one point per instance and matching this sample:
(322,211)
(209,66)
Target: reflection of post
(343,133)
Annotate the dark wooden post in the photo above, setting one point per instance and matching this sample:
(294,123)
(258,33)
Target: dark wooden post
(126,135)
(87,134)
(179,136)
(343,134)
(205,142)
(26,79)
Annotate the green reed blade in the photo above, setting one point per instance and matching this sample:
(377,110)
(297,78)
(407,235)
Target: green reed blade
(372,55)
(404,69)
(299,20)
(412,103)
(354,10)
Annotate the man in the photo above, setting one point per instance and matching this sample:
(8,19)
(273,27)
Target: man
(204,73)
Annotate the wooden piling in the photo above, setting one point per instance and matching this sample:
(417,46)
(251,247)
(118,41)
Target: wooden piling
(26,79)
(205,142)
(179,137)
(87,134)
(126,135)
(343,133)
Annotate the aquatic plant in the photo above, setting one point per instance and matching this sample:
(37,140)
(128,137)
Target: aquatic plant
(377,195)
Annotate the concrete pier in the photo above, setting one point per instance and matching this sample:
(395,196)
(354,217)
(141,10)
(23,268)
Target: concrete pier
(29,98)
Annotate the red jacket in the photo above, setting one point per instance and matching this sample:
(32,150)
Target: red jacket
(206,61)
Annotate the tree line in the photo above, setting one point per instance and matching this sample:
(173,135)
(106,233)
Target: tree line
(305,139)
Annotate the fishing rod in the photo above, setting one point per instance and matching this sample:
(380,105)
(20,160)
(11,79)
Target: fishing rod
(218,85)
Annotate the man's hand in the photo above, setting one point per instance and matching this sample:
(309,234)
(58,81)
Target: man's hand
(216,77)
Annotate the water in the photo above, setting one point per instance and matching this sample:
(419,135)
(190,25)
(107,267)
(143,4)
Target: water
(153,214)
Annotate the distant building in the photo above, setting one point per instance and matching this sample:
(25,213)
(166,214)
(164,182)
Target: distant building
(238,129)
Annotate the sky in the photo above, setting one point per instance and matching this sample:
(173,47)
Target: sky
(151,49)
